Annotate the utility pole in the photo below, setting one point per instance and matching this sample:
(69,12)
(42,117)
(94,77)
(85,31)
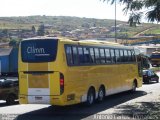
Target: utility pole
(116,21)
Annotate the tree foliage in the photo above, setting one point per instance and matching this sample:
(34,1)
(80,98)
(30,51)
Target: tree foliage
(41,30)
(135,7)
(33,29)
(14,42)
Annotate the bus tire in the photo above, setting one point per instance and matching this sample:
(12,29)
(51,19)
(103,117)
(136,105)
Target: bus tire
(134,85)
(90,97)
(101,94)
(148,81)
(157,81)
(10,99)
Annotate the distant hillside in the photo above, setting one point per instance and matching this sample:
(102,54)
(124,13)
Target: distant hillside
(56,21)
(80,28)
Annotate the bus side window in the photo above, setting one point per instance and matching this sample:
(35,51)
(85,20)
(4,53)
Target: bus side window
(121,56)
(125,56)
(81,58)
(108,56)
(75,55)
(102,56)
(87,58)
(112,55)
(133,56)
(92,55)
(129,56)
(117,56)
(97,57)
(69,55)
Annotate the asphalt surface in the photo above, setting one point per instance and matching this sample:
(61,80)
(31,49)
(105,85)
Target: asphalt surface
(119,106)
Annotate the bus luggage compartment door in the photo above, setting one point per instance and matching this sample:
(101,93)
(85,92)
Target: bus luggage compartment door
(41,85)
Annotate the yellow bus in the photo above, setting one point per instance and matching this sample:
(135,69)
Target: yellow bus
(59,71)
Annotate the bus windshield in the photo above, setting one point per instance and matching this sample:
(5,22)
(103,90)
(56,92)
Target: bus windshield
(39,50)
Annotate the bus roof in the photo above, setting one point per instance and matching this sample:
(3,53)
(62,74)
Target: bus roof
(94,42)
(82,42)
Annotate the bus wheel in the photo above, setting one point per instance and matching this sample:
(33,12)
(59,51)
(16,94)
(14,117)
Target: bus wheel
(90,97)
(10,99)
(157,80)
(101,94)
(134,85)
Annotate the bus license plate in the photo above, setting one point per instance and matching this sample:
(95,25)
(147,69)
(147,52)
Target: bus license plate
(38,98)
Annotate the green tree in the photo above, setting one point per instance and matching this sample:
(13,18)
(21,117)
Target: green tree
(33,29)
(135,7)
(14,42)
(134,19)
(41,30)
(5,32)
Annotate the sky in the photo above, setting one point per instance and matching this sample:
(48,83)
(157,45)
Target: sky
(80,8)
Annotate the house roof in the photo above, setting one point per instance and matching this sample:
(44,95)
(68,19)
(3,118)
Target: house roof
(5,51)
(4,44)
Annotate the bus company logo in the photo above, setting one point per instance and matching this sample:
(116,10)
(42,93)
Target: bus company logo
(33,50)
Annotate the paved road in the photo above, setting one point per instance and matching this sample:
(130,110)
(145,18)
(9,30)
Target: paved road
(122,105)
